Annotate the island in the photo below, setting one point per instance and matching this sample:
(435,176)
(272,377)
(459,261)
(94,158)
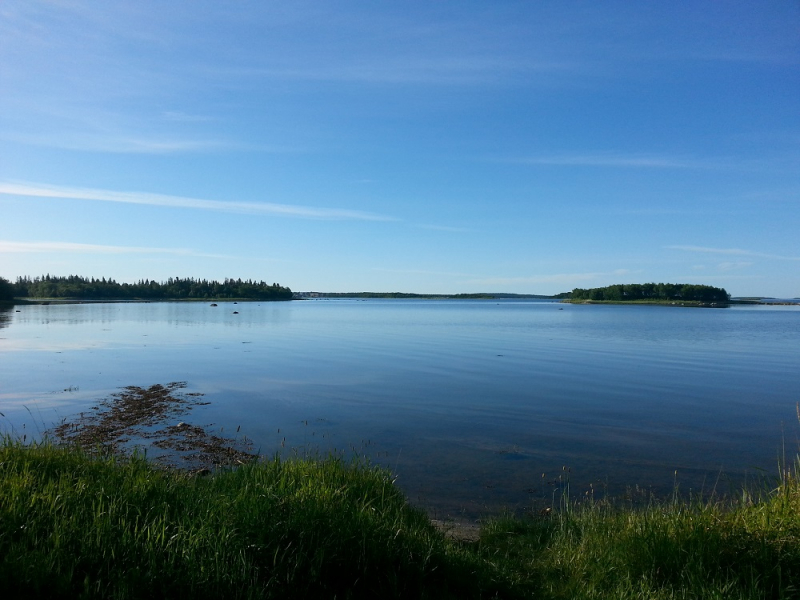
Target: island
(653,293)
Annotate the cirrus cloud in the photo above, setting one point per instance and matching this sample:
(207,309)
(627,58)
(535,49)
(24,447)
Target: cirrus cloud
(36,190)
(7,246)
(732,252)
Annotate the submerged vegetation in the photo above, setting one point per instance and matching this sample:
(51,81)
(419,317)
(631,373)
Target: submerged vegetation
(86,288)
(121,423)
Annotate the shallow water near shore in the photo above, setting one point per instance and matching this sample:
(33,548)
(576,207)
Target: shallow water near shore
(474,405)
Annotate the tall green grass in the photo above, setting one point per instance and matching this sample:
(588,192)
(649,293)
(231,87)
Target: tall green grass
(72,525)
(75,526)
(746,547)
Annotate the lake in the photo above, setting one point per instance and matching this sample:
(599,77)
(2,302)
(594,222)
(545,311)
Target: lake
(475,405)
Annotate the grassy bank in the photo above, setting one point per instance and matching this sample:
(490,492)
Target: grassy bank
(75,526)
(675,549)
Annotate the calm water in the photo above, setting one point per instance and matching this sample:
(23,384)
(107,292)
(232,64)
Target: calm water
(468,402)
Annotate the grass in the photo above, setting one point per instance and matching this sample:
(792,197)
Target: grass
(746,548)
(79,526)
(72,525)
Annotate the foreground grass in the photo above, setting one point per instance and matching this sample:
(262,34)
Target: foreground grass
(676,549)
(76,526)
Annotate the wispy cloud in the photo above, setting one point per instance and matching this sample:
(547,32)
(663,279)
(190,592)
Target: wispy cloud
(705,278)
(734,265)
(611,160)
(182,117)
(732,252)
(116,143)
(420,272)
(638,161)
(562,278)
(445,228)
(669,211)
(249,208)
(7,246)
(409,69)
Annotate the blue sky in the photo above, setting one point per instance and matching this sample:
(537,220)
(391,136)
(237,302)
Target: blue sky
(437,147)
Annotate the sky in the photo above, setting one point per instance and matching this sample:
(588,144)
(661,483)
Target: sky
(430,147)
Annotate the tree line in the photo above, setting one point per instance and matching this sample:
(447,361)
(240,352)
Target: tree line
(6,290)
(653,291)
(395,295)
(74,286)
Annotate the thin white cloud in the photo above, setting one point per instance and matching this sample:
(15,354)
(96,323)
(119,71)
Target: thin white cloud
(442,70)
(617,161)
(249,208)
(420,272)
(7,246)
(182,117)
(723,278)
(561,278)
(446,228)
(734,265)
(732,252)
(650,161)
(657,212)
(116,143)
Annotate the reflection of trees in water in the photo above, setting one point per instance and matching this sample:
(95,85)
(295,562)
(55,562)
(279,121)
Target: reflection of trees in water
(5,316)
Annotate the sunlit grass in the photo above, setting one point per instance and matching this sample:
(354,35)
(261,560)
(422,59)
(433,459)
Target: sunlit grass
(746,547)
(72,525)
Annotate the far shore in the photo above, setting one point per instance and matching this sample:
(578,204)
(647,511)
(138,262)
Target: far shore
(689,303)
(41,301)
(685,303)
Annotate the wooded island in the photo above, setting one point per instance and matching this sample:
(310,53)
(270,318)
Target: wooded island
(675,292)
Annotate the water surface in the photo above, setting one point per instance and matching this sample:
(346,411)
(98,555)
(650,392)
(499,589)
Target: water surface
(470,403)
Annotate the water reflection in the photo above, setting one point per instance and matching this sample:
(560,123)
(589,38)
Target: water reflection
(5,315)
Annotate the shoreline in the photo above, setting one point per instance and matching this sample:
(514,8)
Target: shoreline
(46,301)
(685,303)
(328,528)
(678,303)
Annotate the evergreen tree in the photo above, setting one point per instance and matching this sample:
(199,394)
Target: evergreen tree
(6,290)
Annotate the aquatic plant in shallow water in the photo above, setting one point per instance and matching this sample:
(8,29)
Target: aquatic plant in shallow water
(136,416)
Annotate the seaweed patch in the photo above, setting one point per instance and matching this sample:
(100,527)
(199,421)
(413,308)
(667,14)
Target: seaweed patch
(137,417)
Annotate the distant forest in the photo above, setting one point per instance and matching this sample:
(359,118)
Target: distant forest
(85,288)
(6,290)
(477,296)
(653,291)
